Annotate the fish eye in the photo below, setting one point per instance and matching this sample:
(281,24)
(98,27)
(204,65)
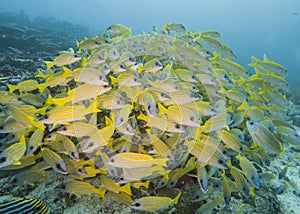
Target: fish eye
(64,128)
(31,147)
(97,42)
(100,77)
(105,86)
(91,144)
(109,28)
(244,189)
(158,64)
(192,118)
(132,59)
(58,166)
(220,161)
(1,127)
(112,160)
(177,126)
(2,159)
(46,116)
(81,170)
(76,55)
(251,123)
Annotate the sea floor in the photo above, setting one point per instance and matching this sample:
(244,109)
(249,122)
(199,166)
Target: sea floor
(266,200)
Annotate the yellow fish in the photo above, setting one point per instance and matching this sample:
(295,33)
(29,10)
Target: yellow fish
(154,203)
(119,29)
(147,100)
(64,114)
(10,125)
(82,93)
(174,26)
(90,43)
(184,116)
(152,65)
(83,188)
(264,137)
(54,160)
(27,85)
(13,153)
(270,66)
(249,170)
(34,141)
(90,75)
(231,66)
(22,117)
(112,186)
(129,160)
(64,58)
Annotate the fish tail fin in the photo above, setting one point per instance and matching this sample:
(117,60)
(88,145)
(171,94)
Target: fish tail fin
(84,62)
(60,101)
(175,200)
(67,72)
(216,56)
(39,125)
(166,25)
(140,68)
(162,109)
(100,192)
(161,161)
(242,81)
(126,189)
(266,58)
(12,88)
(130,31)
(92,108)
(142,117)
(243,106)
(42,110)
(49,64)
(77,43)
(49,101)
(257,72)
(41,87)
(254,61)
(108,121)
(113,80)
(40,74)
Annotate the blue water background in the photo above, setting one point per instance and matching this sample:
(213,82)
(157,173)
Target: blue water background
(250,27)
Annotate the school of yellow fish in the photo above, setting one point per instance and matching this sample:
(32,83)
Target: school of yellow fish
(134,109)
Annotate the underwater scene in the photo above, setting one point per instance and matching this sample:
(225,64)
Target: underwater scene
(117,108)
